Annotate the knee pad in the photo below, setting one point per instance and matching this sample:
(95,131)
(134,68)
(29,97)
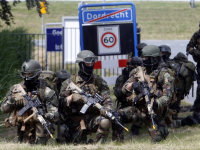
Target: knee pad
(104,126)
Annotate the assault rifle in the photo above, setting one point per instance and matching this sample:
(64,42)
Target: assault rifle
(146,93)
(94,100)
(35,105)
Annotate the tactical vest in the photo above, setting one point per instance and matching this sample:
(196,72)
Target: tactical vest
(92,87)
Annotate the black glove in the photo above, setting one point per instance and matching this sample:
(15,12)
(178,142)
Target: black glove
(136,86)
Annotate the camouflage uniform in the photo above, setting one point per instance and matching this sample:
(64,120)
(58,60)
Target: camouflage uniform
(122,101)
(162,96)
(31,131)
(93,119)
(161,83)
(193,48)
(76,128)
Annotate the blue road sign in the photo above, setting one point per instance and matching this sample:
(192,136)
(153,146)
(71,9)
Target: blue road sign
(107,15)
(54,39)
(97,16)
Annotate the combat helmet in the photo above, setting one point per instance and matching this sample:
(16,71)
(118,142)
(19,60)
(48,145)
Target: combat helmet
(85,57)
(63,74)
(140,47)
(165,49)
(136,61)
(151,55)
(30,69)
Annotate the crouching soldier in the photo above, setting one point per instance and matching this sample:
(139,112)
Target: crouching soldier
(93,119)
(32,106)
(154,94)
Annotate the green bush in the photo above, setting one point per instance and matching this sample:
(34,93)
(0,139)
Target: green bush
(15,47)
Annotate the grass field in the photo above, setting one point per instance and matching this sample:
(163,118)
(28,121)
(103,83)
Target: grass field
(158,20)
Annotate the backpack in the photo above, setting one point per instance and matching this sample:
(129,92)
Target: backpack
(50,78)
(184,73)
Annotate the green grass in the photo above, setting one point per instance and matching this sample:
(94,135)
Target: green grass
(158,20)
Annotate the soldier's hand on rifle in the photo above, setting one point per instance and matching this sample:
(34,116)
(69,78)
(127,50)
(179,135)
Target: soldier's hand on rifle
(18,99)
(77,98)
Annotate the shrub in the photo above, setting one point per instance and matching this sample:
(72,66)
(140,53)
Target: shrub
(15,47)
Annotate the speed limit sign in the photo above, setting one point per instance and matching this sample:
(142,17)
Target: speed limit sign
(108,40)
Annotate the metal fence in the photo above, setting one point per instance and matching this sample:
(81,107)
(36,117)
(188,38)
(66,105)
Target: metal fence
(34,46)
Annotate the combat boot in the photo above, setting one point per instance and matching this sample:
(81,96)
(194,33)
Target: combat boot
(189,120)
(118,131)
(196,116)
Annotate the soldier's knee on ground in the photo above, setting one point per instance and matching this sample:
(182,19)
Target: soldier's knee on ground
(102,131)
(104,126)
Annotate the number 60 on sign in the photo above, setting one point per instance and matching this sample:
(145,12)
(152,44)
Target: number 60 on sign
(108,39)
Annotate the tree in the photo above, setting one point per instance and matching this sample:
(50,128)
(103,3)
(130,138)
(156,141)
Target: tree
(5,10)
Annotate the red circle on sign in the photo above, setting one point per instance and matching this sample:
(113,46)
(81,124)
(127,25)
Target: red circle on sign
(115,38)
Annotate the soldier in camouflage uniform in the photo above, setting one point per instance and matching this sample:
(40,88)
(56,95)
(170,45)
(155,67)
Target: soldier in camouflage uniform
(179,91)
(175,105)
(117,133)
(94,120)
(193,48)
(32,131)
(161,83)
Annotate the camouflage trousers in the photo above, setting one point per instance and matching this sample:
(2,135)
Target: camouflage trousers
(32,133)
(161,132)
(132,114)
(127,115)
(76,132)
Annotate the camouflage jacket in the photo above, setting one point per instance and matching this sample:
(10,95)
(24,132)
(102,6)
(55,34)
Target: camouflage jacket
(49,100)
(161,82)
(95,85)
(194,43)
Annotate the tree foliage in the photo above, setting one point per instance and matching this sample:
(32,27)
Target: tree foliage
(6,12)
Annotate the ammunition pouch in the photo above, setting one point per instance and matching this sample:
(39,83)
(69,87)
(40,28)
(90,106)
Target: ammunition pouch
(14,119)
